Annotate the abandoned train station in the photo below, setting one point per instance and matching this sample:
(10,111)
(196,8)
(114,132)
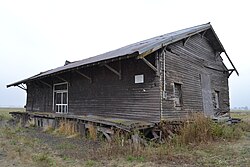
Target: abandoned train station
(162,78)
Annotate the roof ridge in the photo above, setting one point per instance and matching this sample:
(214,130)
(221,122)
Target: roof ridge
(137,47)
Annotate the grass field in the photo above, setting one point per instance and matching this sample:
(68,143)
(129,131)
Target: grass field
(34,147)
(244,115)
(4,112)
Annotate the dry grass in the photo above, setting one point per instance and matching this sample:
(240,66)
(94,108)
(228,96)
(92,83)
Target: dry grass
(30,152)
(201,142)
(186,148)
(67,127)
(197,130)
(203,130)
(245,116)
(22,150)
(47,129)
(92,132)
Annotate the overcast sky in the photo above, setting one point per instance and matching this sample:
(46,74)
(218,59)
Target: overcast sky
(39,35)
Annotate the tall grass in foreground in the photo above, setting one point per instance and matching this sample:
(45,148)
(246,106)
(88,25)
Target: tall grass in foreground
(201,130)
(196,131)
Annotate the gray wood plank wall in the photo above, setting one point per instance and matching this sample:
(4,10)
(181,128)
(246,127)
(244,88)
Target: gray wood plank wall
(106,95)
(185,65)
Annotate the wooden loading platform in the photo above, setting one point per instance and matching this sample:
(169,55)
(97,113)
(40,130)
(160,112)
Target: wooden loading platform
(106,126)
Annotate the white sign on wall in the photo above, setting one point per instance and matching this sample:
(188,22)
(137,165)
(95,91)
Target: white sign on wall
(139,78)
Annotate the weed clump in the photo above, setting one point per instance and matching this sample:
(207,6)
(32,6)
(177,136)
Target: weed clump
(48,129)
(67,127)
(92,132)
(44,159)
(200,129)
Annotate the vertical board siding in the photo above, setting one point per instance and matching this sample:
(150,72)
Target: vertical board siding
(107,95)
(185,65)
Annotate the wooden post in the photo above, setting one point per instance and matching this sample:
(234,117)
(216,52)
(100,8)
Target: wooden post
(55,123)
(24,119)
(82,129)
(136,141)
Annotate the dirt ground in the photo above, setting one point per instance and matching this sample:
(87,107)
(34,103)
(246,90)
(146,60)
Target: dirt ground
(34,147)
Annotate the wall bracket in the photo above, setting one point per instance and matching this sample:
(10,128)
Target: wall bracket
(45,83)
(149,64)
(230,72)
(84,75)
(22,87)
(114,70)
(61,79)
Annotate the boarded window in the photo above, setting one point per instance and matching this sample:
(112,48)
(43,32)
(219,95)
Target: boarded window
(216,99)
(177,95)
(139,78)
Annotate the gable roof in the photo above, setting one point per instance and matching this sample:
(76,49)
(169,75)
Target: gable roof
(136,49)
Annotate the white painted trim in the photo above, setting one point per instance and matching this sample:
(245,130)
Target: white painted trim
(164,75)
(60,91)
(61,83)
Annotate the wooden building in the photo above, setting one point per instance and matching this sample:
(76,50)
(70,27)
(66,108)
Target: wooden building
(161,78)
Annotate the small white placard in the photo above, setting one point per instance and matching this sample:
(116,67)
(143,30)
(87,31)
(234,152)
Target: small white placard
(139,78)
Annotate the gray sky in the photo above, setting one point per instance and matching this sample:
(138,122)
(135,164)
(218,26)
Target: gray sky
(39,35)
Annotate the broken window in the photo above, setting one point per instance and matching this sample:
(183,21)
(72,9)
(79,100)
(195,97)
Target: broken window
(216,99)
(177,95)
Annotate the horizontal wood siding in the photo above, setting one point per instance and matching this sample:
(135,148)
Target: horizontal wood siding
(39,97)
(185,65)
(107,95)
(219,83)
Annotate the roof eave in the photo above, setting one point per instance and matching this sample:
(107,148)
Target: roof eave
(223,50)
(134,54)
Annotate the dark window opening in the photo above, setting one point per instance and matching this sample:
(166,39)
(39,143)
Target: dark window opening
(178,95)
(216,99)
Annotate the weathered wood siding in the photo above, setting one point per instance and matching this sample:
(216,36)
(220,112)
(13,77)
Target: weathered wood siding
(194,65)
(186,65)
(39,97)
(107,95)
(111,97)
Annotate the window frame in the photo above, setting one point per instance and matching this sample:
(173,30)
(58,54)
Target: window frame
(216,99)
(60,92)
(180,99)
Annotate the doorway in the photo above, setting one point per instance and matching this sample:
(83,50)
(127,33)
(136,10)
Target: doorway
(60,93)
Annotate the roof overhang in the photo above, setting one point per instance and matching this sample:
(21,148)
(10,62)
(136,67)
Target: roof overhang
(139,50)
